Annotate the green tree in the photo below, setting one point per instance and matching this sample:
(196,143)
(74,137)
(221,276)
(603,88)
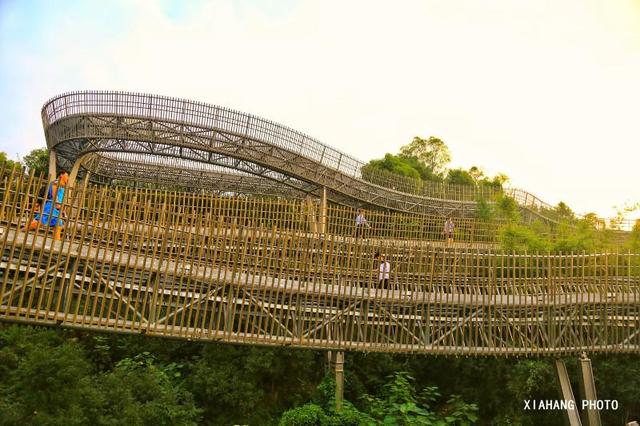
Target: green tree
(507,209)
(307,415)
(460,177)
(484,211)
(481,179)
(634,237)
(476,173)
(572,236)
(529,379)
(398,404)
(37,161)
(475,176)
(594,221)
(432,152)
(403,166)
(394,164)
(622,214)
(143,393)
(6,162)
(500,179)
(618,378)
(250,385)
(46,378)
(521,238)
(563,211)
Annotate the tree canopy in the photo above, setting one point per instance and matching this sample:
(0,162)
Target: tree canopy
(428,160)
(432,152)
(6,162)
(37,161)
(404,166)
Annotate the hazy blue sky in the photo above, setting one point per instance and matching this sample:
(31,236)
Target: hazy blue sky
(547,92)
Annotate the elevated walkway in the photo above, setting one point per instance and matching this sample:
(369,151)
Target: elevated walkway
(148,138)
(162,266)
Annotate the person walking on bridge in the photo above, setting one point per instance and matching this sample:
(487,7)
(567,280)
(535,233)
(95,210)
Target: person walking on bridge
(361,223)
(449,227)
(51,213)
(385,268)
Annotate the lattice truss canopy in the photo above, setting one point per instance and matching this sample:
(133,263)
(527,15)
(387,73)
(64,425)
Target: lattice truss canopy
(178,173)
(147,138)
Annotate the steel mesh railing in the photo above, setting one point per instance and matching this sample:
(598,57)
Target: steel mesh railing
(174,264)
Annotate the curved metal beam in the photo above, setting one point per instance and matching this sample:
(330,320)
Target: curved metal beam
(142,125)
(78,123)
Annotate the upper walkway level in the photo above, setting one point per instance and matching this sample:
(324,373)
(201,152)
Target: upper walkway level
(130,136)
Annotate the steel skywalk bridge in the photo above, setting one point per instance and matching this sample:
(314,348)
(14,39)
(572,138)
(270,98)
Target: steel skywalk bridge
(198,266)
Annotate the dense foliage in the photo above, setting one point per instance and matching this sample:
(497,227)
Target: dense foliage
(433,153)
(61,377)
(398,404)
(37,161)
(6,162)
(50,378)
(428,160)
(567,234)
(404,166)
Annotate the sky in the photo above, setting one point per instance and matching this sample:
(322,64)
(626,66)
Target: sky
(545,91)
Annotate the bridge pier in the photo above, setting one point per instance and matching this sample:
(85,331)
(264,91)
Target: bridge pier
(87,177)
(73,174)
(336,363)
(572,416)
(590,415)
(339,380)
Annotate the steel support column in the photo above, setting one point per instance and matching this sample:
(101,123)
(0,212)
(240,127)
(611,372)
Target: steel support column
(339,380)
(74,172)
(572,416)
(323,211)
(590,416)
(52,165)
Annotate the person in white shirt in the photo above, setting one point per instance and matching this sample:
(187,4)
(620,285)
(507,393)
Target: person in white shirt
(385,268)
(449,226)
(361,223)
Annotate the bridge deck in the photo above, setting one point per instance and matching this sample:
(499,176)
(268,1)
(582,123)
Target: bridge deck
(158,263)
(117,288)
(439,289)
